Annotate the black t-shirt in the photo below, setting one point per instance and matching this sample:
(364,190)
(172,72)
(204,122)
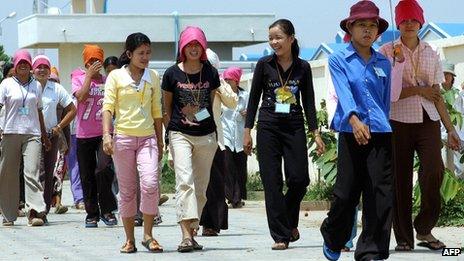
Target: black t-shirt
(190,97)
(266,81)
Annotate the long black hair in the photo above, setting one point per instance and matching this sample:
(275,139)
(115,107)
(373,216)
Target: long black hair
(287,27)
(6,68)
(133,41)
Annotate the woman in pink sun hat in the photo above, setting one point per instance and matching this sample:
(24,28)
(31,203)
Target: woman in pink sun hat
(24,128)
(188,94)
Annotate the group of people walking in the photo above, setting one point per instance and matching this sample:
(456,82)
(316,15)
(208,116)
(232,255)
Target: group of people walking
(388,106)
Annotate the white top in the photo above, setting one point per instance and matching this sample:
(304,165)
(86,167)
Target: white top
(225,96)
(21,105)
(233,123)
(53,94)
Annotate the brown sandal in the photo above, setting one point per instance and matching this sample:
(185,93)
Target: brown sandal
(154,248)
(128,248)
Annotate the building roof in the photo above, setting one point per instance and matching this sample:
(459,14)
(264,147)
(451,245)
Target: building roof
(442,30)
(428,32)
(48,31)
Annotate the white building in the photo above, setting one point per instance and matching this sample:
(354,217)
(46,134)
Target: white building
(88,24)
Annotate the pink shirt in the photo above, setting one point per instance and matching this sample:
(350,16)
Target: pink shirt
(422,68)
(89,112)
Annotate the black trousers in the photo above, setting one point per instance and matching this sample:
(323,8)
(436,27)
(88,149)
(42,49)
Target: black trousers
(235,175)
(96,177)
(275,141)
(216,213)
(366,170)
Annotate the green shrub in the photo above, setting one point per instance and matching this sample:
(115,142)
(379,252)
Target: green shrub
(452,197)
(168,178)
(254,182)
(319,191)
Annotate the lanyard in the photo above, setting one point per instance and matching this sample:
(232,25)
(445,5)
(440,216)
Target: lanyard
(195,99)
(415,66)
(24,97)
(280,77)
(143,92)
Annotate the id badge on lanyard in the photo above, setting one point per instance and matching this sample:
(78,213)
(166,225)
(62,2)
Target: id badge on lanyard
(23,110)
(202,114)
(282,107)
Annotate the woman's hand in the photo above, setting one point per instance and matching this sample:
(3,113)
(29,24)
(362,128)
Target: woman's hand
(160,150)
(108,144)
(320,145)
(247,142)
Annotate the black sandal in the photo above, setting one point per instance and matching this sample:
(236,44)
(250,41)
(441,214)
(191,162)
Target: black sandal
(432,245)
(130,250)
(195,244)
(185,246)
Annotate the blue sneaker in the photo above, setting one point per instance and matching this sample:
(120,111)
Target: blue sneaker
(330,254)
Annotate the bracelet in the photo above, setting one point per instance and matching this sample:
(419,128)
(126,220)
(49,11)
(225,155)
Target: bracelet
(106,135)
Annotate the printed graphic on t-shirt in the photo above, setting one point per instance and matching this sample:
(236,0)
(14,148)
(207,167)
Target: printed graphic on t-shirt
(93,105)
(193,98)
(287,94)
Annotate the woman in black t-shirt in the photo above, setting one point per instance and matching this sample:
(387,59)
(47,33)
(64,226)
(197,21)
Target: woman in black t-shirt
(282,78)
(188,94)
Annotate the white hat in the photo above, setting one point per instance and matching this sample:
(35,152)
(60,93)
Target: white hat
(449,68)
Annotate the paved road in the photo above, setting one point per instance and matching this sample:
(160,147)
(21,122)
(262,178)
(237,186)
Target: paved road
(247,239)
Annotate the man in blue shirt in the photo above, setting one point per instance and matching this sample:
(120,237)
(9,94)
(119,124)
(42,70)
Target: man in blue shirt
(361,77)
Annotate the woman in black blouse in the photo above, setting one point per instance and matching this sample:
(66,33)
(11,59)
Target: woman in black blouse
(282,78)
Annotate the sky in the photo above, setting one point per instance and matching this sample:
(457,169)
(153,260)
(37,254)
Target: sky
(315,21)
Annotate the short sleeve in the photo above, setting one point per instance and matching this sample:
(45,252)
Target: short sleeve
(156,96)
(39,96)
(76,84)
(167,84)
(215,81)
(3,92)
(64,97)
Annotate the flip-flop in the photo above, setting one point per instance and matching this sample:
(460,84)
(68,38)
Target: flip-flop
(123,249)
(429,244)
(157,247)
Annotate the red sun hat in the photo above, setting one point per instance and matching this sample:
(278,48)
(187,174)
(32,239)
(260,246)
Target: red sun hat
(364,10)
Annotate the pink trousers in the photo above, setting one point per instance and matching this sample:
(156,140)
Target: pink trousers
(141,154)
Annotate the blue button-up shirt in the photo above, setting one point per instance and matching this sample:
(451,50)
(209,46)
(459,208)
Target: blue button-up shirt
(363,88)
